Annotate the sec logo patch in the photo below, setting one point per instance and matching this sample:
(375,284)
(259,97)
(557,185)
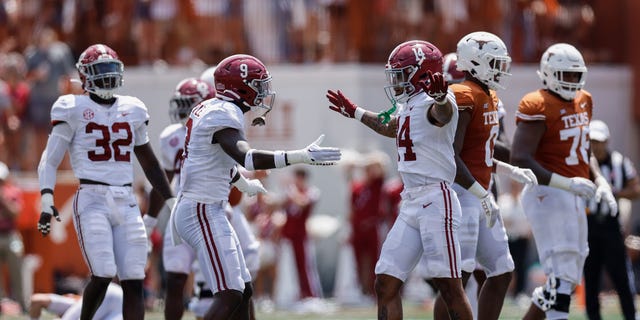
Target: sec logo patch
(88,114)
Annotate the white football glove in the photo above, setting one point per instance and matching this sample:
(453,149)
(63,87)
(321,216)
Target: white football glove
(491,209)
(488,203)
(576,185)
(314,154)
(522,175)
(250,187)
(604,193)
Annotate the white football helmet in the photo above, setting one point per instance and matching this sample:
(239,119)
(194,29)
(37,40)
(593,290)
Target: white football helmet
(562,70)
(485,57)
(207,76)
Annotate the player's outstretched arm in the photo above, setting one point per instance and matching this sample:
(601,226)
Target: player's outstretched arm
(341,104)
(235,145)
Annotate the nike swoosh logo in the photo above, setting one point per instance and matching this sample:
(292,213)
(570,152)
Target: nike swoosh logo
(132,205)
(426,205)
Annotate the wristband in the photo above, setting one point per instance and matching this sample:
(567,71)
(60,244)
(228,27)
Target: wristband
(561,182)
(601,181)
(279,158)
(502,168)
(46,198)
(477,190)
(248,160)
(359,113)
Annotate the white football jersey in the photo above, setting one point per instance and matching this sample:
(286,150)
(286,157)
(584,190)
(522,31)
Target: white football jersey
(206,170)
(171,149)
(425,151)
(101,148)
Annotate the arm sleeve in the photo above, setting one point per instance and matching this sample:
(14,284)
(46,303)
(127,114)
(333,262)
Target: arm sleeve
(57,145)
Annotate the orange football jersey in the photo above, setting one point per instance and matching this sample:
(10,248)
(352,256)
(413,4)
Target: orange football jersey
(564,147)
(482,130)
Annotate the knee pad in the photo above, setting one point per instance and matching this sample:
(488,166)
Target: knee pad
(548,298)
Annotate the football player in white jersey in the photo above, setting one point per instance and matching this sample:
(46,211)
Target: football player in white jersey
(177,259)
(424,129)
(215,143)
(102,131)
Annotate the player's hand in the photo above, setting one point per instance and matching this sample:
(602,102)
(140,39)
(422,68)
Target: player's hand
(605,194)
(48,211)
(342,104)
(491,209)
(315,154)
(435,86)
(522,175)
(582,187)
(250,187)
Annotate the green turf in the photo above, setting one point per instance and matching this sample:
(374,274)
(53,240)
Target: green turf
(411,311)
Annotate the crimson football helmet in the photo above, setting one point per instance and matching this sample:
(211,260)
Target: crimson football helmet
(407,65)
(100,70)
(484,55)
(189,92)
(450,69)
(245,79)
(562,70)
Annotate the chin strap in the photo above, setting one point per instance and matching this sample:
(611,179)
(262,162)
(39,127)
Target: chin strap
(385,116)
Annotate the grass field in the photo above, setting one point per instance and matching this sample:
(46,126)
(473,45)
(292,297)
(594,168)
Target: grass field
(411,311)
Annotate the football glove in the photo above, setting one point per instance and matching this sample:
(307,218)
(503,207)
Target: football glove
(521,175)
(342,104)
(315,154)
(576,185)
(491,209)
(604,193)
(435,86)
(250,187)
(487,202)
(48,211)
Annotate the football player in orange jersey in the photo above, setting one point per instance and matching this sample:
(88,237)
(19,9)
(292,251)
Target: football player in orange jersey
(484,59)
(552,139)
